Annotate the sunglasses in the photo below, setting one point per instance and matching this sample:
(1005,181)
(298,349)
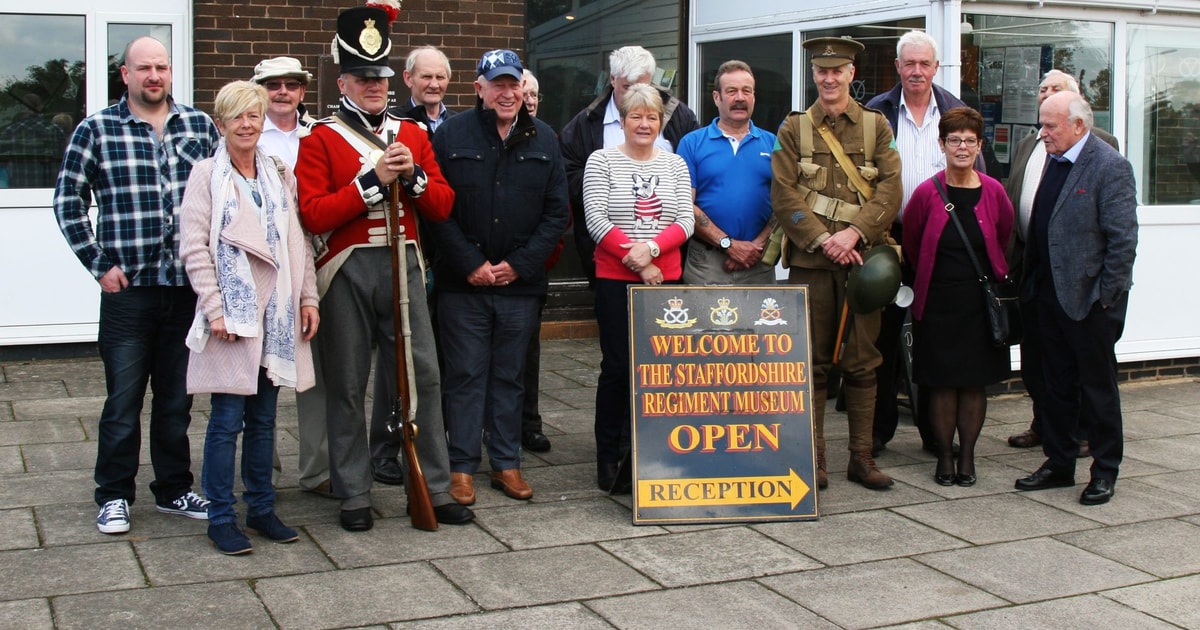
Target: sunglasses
(273,86)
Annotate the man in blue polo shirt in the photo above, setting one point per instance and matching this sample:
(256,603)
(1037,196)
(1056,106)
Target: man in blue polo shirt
(730,164)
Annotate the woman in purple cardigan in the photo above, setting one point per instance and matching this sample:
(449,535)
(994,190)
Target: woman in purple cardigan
(952,350)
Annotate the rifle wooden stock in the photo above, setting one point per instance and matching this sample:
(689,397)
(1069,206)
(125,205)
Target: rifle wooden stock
(844,322)
(420,503)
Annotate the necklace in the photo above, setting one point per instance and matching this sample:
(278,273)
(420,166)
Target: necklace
(252,182)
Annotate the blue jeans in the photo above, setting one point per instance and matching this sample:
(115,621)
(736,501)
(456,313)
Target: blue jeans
(253,417)
(141,336)
(484,337)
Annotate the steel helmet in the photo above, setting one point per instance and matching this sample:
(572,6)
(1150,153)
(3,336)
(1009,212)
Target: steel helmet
(873,285)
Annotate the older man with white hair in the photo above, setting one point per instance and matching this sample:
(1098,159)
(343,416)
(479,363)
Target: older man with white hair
(530,92)
(1082,240)
(598,126)
(427,75)
(1029,161)
(913,108)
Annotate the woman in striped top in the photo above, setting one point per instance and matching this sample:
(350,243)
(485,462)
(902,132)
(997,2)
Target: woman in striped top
(637,203)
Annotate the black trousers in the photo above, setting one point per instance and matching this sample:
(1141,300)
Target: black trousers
(1031,371)
(1079,370)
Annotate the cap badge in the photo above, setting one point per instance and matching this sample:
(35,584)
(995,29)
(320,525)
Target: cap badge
(370,39)
(829,51)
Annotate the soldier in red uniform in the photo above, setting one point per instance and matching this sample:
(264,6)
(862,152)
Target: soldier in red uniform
(345,168)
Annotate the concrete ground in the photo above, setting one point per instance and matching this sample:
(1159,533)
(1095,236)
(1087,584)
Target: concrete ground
(916,556)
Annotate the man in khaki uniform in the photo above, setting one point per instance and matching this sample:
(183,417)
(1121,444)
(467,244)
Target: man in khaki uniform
(829,226)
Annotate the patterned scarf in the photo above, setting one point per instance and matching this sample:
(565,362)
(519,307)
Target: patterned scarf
(239,299)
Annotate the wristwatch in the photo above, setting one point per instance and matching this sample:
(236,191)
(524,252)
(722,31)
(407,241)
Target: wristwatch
(725,242)
(654,250)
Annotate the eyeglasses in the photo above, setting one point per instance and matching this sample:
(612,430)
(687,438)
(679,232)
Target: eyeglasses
(955,141)
(532,96)
(273,86)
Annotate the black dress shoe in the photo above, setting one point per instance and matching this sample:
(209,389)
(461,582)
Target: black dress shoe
(359,520)
(535,441)
(453,514)
(387,470)
(944,478)
(1097,491)
(963,480)
(1044,478)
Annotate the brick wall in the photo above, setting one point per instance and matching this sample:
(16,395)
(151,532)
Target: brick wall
(1140,371)
(230,38)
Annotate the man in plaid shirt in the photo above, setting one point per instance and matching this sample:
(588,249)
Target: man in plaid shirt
(135,158)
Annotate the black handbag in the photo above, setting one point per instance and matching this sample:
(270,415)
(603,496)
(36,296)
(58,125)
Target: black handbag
(999,297)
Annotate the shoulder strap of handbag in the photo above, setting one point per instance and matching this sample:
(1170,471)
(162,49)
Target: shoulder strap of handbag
(844,160)
(279,165)
(961,232)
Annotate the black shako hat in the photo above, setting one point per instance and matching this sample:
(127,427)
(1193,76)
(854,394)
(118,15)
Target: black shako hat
(362,43)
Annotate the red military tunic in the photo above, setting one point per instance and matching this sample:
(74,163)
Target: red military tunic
(332,174)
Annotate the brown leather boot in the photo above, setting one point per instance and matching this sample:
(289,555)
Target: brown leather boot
(862,469)
(818,420)
(822,474)
(462,488)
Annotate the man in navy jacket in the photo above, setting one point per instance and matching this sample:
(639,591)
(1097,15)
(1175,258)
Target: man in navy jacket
(510,209)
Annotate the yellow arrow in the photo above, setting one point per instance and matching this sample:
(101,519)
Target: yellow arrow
(662,493)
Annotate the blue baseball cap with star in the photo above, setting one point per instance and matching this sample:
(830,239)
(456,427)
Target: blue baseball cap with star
(500,62)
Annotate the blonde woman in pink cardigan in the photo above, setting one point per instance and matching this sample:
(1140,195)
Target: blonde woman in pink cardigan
(256,312)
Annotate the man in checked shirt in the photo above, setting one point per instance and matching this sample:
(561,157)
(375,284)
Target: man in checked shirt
(134,158)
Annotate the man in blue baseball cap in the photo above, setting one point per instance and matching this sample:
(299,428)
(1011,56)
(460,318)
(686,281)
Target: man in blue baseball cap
(510,208)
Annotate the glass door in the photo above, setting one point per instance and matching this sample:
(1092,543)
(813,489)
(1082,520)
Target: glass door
(58,65)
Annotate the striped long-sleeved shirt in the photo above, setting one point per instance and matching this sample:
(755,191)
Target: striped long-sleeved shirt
(137,180)
(627,200)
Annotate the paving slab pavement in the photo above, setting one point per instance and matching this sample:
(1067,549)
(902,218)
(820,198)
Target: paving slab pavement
(916,556)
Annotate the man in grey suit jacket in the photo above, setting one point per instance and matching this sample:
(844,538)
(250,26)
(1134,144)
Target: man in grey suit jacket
(1029,160)
(1082,238)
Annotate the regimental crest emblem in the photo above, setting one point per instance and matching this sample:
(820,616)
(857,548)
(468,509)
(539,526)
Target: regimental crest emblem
(723,314)
(675,316)
(370,38)
(770,314)
(829,51)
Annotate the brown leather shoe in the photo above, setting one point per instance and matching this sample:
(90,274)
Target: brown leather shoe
(862,469)
(511,483)
(1025,439)
(462,488)
(822,474)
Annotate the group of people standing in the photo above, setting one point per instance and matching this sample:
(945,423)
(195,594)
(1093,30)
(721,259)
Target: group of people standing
(238,257)
(282,232)
(1064,230)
